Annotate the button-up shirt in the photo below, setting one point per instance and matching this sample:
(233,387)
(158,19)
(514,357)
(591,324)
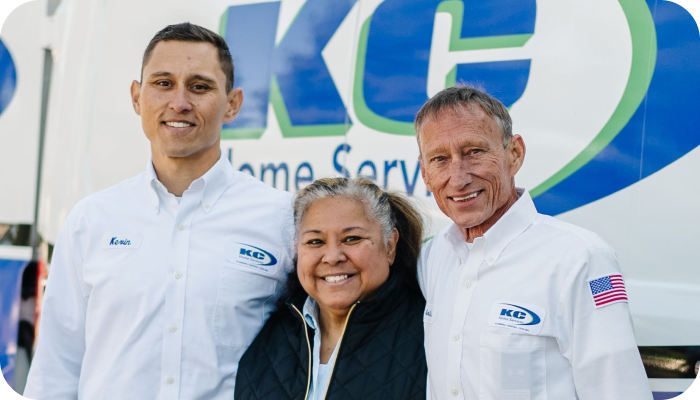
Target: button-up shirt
(320,373)
(151,298)
(518,315)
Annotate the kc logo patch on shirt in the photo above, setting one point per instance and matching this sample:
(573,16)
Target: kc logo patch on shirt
(121,241)
(252,256)
(517,316)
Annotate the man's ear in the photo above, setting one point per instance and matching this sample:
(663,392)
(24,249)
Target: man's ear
(516,154)
(136,96)
(235,101)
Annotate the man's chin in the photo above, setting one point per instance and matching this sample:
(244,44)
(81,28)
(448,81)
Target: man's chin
(469,222)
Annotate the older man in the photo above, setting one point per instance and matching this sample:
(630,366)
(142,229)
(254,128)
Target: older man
(159,284)
(521,306)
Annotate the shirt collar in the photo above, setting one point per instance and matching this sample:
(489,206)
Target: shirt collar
(214,182)
(514,222)
(311,312)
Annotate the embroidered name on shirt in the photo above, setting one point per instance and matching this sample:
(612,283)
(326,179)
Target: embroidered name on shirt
(118,242)
(253,257)
(121,241)
(428,315)
(520,317)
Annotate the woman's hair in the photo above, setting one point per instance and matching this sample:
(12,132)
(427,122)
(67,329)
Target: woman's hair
(389,210)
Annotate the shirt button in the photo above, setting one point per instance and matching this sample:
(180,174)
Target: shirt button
(181,227)
(454,392)
(491,259)
(178,275)
(155,208)
(206,206)
(455,336)
(170,380)
(173,328)
(468,284)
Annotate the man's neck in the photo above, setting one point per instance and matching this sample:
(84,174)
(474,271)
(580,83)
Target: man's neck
(477,231)
(178,173)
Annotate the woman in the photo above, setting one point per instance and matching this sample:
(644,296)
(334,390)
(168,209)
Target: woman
(352,326)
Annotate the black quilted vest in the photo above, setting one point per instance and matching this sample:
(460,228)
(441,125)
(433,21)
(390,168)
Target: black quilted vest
(381,354)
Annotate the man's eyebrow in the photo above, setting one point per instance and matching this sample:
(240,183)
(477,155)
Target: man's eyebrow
(160,74)
(203,78)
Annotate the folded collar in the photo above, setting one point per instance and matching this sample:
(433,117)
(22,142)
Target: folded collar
(214,183)
(514,222)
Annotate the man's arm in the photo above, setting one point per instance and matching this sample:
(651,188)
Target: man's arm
(597,334)
(55,369)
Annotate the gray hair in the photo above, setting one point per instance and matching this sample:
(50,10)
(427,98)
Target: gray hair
(375,200)
(455,99)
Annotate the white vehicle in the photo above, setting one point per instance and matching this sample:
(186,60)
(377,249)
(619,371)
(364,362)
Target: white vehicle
(605,94)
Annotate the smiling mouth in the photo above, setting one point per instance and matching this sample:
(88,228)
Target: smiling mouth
(336,278)
(178,124)
(469,197)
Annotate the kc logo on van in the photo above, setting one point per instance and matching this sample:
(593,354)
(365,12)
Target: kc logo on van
(252,256)
(523,318)
(8,77)
(506,46)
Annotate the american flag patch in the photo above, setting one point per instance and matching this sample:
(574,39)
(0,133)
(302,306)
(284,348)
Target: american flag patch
(609,289)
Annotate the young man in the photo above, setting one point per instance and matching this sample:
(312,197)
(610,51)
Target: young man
(519,305)
(159,284)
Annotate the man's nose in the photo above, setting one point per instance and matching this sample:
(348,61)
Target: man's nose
(460,173)
(334,255)
(180,101)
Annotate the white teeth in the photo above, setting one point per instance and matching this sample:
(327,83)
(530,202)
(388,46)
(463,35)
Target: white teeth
(471,196)
(337,278)
(178,124)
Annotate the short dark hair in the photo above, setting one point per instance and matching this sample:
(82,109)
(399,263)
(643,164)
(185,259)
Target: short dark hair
(187,32)
(455,99)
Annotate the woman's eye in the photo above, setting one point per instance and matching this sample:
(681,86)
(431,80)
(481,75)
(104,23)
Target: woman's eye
(314,242)
(351,239)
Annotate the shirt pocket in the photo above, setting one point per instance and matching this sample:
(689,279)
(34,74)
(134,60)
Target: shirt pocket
(512,367)
(243,302)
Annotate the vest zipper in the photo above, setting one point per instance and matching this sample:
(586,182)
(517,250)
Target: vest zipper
(308,346)
(340,341)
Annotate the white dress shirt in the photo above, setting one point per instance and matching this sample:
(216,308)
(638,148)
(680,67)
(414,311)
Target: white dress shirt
(321,373)
(150,298)
(513,318)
